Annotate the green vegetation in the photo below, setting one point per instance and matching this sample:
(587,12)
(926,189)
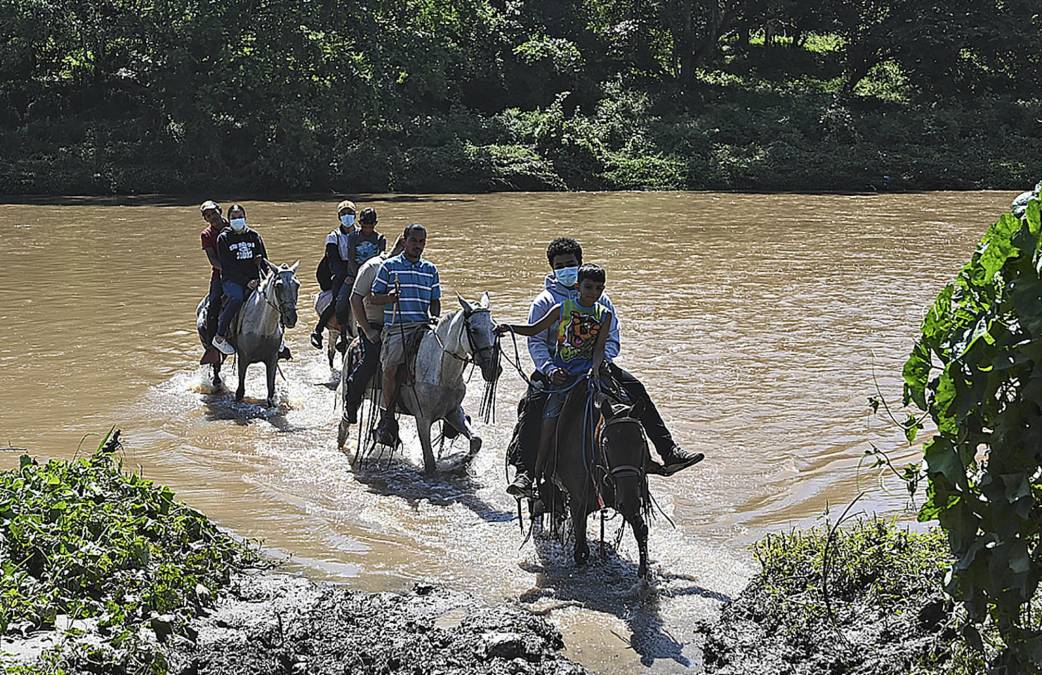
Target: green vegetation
(124,96)
(975,370)
(865,599)
(85,542)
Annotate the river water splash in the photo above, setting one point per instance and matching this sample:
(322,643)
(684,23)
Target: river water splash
(761,325)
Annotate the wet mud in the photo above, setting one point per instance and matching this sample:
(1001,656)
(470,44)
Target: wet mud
(277,623)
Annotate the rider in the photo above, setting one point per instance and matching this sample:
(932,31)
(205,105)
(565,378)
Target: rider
(581,327)
(565,256)
(337,255)
(215,223)
(370,320)
(242,255)
(409,289)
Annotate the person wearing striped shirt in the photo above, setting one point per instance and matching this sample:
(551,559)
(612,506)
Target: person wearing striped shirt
(409,289)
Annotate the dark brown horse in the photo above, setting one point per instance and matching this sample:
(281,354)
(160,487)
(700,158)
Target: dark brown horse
(600,459)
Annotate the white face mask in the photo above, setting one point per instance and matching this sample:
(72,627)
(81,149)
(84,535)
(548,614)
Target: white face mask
(347,220)
(238,224)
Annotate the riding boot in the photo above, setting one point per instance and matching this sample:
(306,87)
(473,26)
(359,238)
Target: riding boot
(677,459)
(521,486)
(387,430)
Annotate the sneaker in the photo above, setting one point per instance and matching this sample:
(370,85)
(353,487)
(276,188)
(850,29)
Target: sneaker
(678,459)
(521,486)
(316,340)
(222,345)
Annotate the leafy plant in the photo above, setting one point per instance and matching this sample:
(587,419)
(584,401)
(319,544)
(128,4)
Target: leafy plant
(85,541)
(977,370)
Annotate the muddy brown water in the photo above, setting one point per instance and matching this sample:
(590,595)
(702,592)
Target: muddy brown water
(760,324)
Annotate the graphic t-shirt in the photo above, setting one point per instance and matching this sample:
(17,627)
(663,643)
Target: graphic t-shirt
(236,251)
(208,237)
(365,246)
(576,336)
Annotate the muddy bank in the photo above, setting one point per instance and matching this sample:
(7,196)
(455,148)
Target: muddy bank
(868,600)
(278,623)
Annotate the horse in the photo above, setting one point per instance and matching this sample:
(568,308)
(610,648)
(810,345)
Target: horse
(267,312)
(600,458)
(333,328)
(437,389)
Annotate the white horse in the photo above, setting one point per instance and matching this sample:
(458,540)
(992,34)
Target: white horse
(261,324)
(461,338)
(333,328)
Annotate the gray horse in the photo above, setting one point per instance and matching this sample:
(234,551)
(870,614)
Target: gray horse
(261,324)
(461,337)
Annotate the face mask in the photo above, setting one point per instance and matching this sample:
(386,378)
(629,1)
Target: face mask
(567,276)
(238,224)
(347,220)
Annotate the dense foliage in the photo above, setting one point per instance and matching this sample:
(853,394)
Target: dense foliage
(84,541)
(289,95)
(977,370)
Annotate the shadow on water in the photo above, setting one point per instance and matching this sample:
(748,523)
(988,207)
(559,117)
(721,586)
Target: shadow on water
(391,476)
(220,404)
(609,584)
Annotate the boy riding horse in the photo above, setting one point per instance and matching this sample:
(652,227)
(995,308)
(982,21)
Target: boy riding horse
(565,255)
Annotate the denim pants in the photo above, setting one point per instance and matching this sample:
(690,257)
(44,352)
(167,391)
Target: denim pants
(363,371)
(213,307)
(234,296)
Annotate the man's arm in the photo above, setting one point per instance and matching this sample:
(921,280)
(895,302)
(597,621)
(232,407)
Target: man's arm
(336,264)
(599,346)
(358,312)
(435,309)
(352,264)
(211,255)
(382,293)
(614,342)
(539,326)
(538,347)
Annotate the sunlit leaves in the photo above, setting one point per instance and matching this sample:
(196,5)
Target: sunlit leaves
(984,334)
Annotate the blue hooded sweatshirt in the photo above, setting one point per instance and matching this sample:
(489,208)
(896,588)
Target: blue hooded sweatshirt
(541,347)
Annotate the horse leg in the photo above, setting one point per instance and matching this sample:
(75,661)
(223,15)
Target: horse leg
(270,372)
(216,381)
(640,531)
(331,346)
(582,548)
(240,390)
(458,419)
(423,429)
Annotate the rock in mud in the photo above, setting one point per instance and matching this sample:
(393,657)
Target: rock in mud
(275,623)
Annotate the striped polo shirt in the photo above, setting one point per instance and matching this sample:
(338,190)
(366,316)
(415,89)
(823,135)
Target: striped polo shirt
(418,285)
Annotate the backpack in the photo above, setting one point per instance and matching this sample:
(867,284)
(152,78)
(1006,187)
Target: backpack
(324,275)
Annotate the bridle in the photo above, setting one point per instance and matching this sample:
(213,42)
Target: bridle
(279,305)
(481,355)
(623,469)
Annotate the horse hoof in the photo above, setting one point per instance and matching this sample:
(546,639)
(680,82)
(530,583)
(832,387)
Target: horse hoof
(271,403)
(581,558)
(475,445)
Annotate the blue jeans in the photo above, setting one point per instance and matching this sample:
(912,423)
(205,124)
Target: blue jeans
(364,370)
(213,307)
(234,296)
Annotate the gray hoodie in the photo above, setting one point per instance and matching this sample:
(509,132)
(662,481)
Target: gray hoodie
(541,347)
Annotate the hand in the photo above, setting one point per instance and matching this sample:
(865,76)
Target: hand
(392,294)
(253,283)
(558,376)
(502,329)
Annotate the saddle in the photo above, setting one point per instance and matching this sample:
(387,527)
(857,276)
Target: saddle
(412,349)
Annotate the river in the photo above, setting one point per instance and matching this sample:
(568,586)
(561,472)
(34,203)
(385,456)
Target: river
(761,323)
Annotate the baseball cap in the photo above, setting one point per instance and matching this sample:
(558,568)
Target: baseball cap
(208,205)
(346,204)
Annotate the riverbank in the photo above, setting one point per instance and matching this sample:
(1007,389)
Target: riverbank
(746,134)
(104,572)
(865,599)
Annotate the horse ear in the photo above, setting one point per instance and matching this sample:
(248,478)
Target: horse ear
(467,307)
(294,266)
(486,302)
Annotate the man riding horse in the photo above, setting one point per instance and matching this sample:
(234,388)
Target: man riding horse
(409,289)
(565,256)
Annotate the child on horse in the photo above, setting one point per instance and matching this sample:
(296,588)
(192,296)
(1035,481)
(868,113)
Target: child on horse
(583,326)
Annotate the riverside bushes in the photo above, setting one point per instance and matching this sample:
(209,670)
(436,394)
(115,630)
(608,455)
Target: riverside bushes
(84,543)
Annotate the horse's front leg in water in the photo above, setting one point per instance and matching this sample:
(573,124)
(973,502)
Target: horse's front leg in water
(240,390)
(582,547)
(423,430)
(270,367)
(640,532)
(458,419)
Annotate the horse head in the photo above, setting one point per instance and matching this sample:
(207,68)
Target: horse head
(479,339)
(624,446)
(286,288)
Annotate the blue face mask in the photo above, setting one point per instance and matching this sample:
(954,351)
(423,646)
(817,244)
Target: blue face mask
(347,220)
(238,224)
(567,276)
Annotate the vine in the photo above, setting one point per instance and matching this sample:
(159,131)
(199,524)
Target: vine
(976,369)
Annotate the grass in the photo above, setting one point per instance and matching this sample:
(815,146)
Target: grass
(85,541)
